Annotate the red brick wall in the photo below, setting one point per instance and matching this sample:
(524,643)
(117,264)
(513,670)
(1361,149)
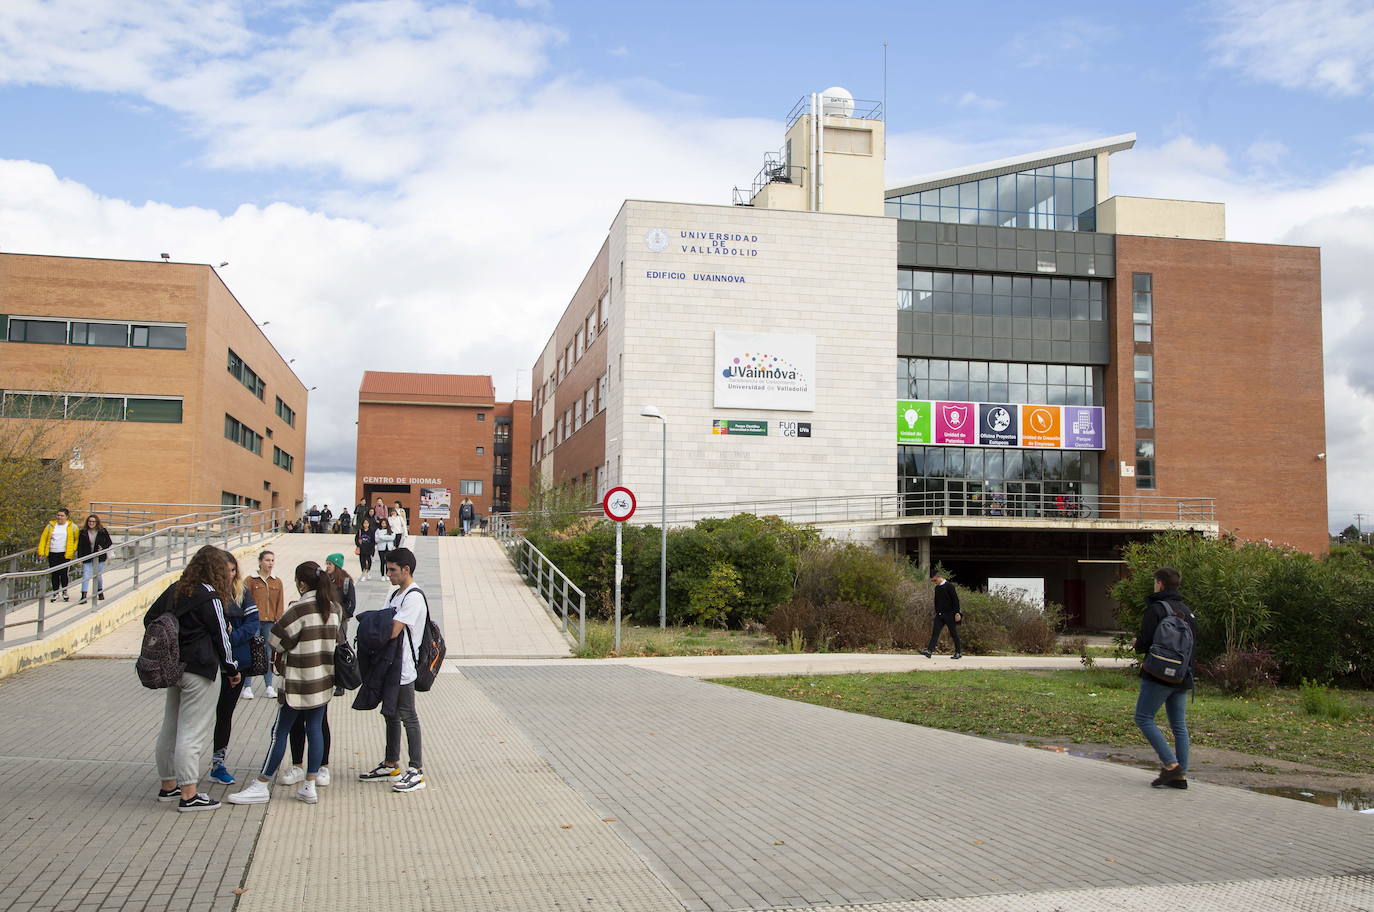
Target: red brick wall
(407,441)
(1239,406)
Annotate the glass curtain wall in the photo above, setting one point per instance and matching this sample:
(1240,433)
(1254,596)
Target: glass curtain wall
(1062,197)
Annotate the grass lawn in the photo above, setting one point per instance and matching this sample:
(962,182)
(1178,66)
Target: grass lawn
(672,641)
(1091,706)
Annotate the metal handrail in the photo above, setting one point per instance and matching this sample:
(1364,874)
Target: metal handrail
(543,575)
(11,563)
(25,595)
(887,507)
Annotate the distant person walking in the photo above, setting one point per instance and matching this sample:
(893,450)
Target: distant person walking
(467,514)
(1165,602)
(359,512)
(386,541)
(313,518)
(326,519)
(269,596)
(241,614)
(947,614)
(443,530)
(197,600)
(303,640)
(345,523)
(58,544)
(93,544)
(399,525)
(366,543)
(379,511)
(424,527)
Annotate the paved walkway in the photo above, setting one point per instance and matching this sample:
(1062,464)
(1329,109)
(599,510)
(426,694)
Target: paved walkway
(563,785)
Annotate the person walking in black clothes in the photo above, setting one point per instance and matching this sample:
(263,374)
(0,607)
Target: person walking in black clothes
(947,614)
(1155,693)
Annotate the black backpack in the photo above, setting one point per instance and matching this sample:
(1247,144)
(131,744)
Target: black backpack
(430,656)
(1170,656)
(159,659)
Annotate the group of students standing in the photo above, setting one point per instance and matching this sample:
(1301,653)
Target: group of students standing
(219,615)
(380,531)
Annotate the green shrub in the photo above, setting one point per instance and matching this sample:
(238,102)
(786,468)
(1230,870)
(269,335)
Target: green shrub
(884,583)
(599,642)
(1318,700)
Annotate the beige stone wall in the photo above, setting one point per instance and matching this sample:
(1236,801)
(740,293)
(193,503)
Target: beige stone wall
(1144,217)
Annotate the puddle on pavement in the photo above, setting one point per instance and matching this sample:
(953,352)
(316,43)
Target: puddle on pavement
(1344,799)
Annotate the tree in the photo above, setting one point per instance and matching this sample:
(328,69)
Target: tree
(1351,533)
(50,448)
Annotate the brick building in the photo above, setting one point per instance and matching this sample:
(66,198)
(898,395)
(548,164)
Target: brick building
(201,407)
(1074,370)
(430,440)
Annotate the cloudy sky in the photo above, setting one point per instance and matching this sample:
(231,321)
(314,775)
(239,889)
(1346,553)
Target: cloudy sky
(420,185)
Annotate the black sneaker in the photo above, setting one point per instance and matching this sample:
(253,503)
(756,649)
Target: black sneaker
(926,653)
(381,773)
(172,794)
(197,803)
(1168,777)
(957,655)
(1178,784)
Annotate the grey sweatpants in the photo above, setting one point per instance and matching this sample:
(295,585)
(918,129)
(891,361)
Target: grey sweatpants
(188,719)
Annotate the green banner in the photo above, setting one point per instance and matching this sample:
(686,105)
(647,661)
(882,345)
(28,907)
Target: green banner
(739,427)
(913,421)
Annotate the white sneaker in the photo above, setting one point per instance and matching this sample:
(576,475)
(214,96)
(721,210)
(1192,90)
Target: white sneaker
(307,793)
(247,693)
(271,692)
(290,776)
(322,777)
(257,792)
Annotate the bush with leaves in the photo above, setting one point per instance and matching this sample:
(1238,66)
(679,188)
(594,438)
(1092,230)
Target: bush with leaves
(1241,671)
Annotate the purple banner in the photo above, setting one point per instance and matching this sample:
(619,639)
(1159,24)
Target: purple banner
(1082,427)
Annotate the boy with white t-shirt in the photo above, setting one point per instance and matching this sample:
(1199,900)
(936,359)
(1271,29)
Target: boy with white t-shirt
(409,623)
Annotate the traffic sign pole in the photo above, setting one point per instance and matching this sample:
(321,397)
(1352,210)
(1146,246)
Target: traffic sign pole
(618,505)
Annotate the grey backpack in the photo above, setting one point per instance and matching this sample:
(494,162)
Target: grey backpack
(1171,654)
(159,659)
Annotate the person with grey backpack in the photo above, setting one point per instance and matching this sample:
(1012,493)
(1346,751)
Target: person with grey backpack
(1168,631)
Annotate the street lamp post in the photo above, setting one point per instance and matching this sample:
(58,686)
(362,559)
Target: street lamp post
(650,411)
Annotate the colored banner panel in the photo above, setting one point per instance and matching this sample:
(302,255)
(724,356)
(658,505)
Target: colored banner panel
(739,427)
(1083,427)
(914,421)
(1041,426)
(956,423)
(998,424)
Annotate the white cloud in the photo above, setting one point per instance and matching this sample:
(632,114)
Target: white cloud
(619,50)
(1326,45)
(974,100)
(1061,42)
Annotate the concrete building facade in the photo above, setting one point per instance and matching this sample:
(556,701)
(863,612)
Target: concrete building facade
(196,406)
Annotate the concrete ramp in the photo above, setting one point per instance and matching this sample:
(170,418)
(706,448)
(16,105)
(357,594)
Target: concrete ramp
(489,611)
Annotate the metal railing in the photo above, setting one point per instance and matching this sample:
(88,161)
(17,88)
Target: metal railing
(865,109)
(551,584)
(27,598)
(883,508)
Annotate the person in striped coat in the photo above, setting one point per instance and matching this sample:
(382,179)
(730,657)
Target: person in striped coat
(304,640)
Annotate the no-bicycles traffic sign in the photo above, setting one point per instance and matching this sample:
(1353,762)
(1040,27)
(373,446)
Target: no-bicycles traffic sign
(619,504)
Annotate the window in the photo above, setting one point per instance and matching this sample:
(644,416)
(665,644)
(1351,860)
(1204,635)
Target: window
(1142,305)
(561,372)
(1144,391)
(481,416)
(91,407)
(602,311)
(601,394)
(1061,196)
(282,458)
(501,433)
(149,336)
(581,344)
(481,451)
(1145,465)
(589,403)
(246,375)
(285,412)
(470,487)
(577,414)
(48,332)
(243,435)
(590,327)
(981,294)
(113,335)
(568,359)
(999,381)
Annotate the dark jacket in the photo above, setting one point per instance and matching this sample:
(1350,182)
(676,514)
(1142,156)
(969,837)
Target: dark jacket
(379,661)
(946,601)
(204,639)
(348,597)
(467,511)
(102,544)
(1155,611)
(364,540)
(243,626)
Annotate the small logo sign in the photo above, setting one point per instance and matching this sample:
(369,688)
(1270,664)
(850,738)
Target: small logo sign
(738,427)
(794,428)
(656,240)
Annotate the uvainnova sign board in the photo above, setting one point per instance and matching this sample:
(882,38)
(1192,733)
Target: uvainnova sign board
(765,371)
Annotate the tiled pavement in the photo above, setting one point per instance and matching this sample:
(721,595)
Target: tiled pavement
(610,787)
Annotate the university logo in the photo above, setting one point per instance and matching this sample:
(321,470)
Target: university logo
(656,240)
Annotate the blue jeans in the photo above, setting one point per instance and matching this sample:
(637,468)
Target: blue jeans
(314,739)
(1154,694)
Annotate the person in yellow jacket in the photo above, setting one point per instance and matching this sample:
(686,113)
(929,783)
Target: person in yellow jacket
(58,545)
